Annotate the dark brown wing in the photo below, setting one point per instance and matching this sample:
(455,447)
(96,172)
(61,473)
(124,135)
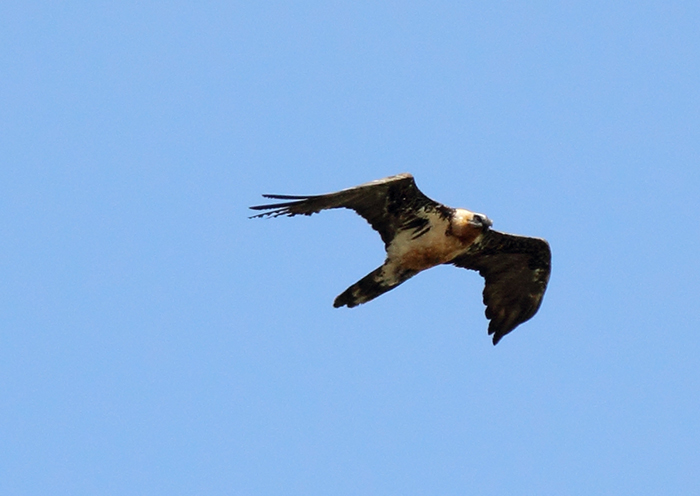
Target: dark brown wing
(516,270)
(385,203)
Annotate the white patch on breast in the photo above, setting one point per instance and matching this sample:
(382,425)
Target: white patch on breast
(433,248)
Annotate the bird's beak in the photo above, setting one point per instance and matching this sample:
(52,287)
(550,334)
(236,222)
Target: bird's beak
(481,221)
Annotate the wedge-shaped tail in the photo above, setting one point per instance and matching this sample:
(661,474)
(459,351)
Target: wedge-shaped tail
(369,287)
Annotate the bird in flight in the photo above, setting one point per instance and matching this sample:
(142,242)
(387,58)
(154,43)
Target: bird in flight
(420,233)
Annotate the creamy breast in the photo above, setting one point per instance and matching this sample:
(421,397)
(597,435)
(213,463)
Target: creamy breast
(446,239)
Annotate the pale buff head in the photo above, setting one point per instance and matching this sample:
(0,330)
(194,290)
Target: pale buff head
(468,225)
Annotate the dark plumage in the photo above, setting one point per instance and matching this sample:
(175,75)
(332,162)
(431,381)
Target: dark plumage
(419,233)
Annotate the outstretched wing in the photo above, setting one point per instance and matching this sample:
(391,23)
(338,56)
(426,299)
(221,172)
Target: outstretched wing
(516,270)
(385,203)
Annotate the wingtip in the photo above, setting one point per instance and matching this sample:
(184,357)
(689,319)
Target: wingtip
(497,332)
(286,197)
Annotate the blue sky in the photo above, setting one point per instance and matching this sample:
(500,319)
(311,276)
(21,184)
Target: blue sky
(156,341)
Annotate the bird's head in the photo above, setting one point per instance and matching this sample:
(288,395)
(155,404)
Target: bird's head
(468,225)
(480,221)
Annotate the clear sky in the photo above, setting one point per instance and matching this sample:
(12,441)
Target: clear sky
(154,340)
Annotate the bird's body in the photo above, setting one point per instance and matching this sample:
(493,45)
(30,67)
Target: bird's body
(435,243)
(419,233)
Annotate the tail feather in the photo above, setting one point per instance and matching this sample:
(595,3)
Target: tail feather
(368,288)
